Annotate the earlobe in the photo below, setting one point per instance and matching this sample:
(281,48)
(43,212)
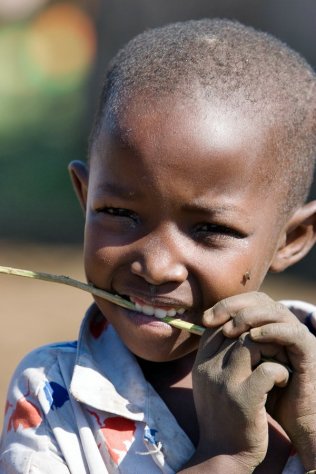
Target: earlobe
(298,238)
(79,176)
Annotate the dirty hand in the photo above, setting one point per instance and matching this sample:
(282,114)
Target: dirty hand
(230,391)
(269,322)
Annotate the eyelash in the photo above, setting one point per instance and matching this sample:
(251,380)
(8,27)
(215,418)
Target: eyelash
(205,231)
(213,230)
(119,212)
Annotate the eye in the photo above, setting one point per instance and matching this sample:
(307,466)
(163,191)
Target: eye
(210,231)
(119,212)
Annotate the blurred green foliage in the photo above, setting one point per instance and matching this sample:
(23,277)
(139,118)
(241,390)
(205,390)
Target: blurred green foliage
(45,64)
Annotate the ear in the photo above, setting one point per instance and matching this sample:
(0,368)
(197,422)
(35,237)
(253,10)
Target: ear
(297,238)
(79,176)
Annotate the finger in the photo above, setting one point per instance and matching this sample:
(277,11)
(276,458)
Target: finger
(247,354)
(263,379)
(298,340)
(225,309)
(212,342)
(254,316)
(241,358)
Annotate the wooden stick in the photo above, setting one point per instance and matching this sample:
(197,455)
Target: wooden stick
(65,280)
(118,300)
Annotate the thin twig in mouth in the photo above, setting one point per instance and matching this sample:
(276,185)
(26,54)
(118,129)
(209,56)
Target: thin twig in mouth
(118,300)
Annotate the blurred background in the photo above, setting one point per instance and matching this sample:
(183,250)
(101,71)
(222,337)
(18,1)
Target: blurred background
(52,60)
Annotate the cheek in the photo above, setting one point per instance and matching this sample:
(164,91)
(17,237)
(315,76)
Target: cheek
(99,263)
(230,274)
(100,257)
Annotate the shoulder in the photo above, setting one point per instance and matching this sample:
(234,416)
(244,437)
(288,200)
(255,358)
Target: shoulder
(47,354)
(40,373)
(41,362)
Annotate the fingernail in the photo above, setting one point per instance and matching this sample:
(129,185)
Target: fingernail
(208,316)
(255,333)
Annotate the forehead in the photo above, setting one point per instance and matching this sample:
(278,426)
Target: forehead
(166,131)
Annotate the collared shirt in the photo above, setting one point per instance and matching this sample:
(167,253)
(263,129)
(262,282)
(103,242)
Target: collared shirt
(85,407)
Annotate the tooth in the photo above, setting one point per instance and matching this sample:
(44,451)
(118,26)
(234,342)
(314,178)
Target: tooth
(181,311)
(148,310)
(160,313)
(171,312)
(138,307)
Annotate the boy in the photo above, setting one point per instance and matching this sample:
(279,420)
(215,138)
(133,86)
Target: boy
(200,162)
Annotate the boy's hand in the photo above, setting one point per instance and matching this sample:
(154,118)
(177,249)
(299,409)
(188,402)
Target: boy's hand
(269,322)
(230,392)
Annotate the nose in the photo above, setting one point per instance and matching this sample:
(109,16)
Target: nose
(160,260)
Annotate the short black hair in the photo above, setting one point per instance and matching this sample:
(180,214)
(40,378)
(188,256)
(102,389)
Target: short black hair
(230,61)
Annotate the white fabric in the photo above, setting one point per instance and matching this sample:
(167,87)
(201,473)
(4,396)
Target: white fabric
(86,408)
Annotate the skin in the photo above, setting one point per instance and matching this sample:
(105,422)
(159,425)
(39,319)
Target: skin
(271,322)
(177,212)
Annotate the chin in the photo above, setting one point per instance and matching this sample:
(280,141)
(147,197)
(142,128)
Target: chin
(164,354)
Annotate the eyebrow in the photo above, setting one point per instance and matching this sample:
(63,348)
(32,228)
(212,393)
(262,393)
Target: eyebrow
(119,191)
(203,208)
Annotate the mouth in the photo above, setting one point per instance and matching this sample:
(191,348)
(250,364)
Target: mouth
(158,311)
(167,313)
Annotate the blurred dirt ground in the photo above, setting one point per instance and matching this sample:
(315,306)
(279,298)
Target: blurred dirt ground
(33,313)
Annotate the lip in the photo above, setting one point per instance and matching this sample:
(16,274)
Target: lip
(144,320)
(163,302)
(141,317)
(155,305)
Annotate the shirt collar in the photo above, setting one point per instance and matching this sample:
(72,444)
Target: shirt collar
(106,375)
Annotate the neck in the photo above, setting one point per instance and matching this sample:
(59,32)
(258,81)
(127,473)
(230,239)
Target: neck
(173,382)
(171,373)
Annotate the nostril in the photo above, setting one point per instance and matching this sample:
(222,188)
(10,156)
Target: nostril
(159,272)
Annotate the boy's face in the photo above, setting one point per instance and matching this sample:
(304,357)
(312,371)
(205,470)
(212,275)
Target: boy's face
(178,211)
